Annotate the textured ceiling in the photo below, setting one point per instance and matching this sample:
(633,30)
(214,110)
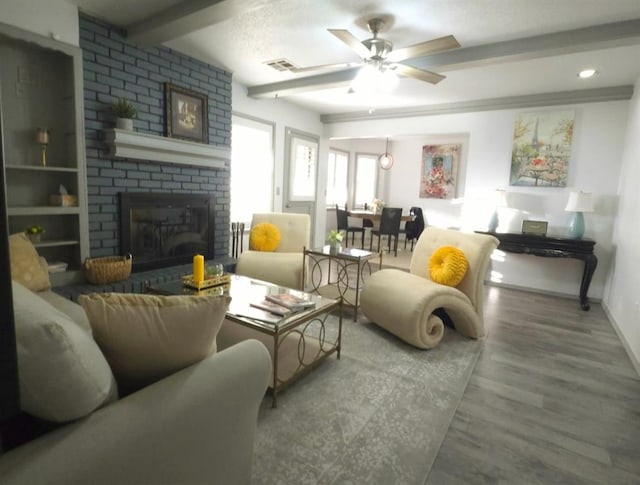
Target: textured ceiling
(242,40)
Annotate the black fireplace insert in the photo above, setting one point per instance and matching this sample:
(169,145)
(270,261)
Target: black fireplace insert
(166,229)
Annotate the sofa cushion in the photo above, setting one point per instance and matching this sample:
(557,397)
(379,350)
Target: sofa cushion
(447,266)
(147,337)
(62,373)
(264,237)
(26,267)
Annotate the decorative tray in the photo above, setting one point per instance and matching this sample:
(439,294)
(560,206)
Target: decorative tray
(207,282)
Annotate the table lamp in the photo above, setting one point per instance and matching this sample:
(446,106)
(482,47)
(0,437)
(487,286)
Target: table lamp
(578,203)
(500,198)
(42,137)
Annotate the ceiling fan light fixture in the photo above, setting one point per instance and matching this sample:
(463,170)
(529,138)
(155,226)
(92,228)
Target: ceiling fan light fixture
(365,80)
(374,79)
(389,80)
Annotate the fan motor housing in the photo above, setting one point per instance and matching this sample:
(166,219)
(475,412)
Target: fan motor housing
(379,48)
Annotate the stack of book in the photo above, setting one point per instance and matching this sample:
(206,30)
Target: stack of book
(283,304)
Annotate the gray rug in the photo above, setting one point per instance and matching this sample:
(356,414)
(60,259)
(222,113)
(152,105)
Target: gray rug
(377,415)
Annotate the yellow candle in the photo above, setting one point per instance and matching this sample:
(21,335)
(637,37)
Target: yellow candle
(198,268)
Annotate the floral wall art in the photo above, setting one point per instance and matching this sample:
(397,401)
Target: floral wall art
(439,171)
(541,148)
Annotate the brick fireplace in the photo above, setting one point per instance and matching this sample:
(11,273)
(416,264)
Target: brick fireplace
(115,67)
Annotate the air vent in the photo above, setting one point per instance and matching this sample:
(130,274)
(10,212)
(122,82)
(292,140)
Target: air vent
(281,65)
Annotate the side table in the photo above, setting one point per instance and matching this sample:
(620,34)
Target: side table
(338,273)
(554,247)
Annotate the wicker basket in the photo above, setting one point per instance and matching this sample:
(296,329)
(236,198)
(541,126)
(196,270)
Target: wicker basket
(108,269)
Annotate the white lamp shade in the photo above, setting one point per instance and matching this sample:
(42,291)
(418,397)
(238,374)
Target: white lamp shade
(579,202)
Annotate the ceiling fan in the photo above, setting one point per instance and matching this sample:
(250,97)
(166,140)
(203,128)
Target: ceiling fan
(378,56)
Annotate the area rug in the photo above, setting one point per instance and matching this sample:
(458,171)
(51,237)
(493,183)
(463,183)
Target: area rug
(401,261)
(377,415)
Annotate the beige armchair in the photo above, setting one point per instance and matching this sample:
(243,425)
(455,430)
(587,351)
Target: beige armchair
(404,303)
(284,265)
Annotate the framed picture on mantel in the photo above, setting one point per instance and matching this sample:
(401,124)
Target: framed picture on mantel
(186,114)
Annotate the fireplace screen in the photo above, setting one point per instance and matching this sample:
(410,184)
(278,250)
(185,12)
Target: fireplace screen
(161,230)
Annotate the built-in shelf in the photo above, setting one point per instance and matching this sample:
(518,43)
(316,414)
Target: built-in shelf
(41,210)
(40,168)
(55,243)
(142,146)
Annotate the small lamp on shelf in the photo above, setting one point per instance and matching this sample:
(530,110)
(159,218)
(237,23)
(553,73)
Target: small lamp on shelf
(42,137)
(578,203)
(500,199)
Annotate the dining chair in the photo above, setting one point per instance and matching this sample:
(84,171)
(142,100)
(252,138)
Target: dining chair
(389,226)
(343,225)
(414,228)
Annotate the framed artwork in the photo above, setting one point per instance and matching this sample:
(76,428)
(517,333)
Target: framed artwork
(186,114)
(536,228)
(541,148)
(439,171)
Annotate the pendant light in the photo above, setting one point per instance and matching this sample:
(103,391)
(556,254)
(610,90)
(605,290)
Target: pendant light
(386,159)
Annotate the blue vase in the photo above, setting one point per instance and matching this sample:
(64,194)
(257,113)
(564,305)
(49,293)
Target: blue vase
(576,226)
(493,222)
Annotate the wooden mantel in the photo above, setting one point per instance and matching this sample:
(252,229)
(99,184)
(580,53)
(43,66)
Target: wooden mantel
(142,146)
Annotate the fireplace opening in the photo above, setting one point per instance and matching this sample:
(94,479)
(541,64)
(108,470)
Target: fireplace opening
(165,229)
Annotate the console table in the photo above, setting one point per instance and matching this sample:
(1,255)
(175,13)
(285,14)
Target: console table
(554,247)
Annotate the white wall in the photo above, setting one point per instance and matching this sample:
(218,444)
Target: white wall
(286,115)
(55,18)
(485,163)
(622,294)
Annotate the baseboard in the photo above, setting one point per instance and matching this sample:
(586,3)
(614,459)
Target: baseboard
(542,292)
(634,361)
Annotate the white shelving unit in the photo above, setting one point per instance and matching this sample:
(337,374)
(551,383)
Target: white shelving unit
(41,87)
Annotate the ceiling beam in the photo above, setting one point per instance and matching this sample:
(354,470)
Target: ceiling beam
(187,17)
(596,95)
(604,36)
(297,85)
(567,42)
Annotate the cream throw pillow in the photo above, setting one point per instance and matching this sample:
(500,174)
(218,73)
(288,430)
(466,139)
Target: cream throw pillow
(62,373)
(26,268)
(147,337)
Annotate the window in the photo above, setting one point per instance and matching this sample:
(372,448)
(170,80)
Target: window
(251,168)
(302,178)
(366,179)
(337,173)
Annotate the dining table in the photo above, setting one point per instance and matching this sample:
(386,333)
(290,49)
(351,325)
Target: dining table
(374,216)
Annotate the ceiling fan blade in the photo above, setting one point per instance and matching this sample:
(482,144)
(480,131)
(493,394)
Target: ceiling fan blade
(321,67)
(429,47)
(422,75)
(352,41)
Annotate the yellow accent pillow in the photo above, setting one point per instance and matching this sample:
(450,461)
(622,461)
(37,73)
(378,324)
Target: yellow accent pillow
(26,267)
(448,265)
(264,237)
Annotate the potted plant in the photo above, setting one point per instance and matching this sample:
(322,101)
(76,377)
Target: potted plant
(125,111)
(335,240)
(34,233)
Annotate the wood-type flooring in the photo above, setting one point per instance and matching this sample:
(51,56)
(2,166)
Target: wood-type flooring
(553,398)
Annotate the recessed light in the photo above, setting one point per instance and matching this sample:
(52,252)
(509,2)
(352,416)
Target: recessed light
(587,73)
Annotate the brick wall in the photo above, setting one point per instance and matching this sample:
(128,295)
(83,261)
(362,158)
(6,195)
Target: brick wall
(114,68)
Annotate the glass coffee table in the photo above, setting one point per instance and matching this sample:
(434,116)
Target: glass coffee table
(297,342)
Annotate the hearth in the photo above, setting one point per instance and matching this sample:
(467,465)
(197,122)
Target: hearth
(166,229)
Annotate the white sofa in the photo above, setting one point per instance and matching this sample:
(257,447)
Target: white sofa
(284,265)
(195,426)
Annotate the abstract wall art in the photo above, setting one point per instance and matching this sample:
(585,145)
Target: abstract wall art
(439,171)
